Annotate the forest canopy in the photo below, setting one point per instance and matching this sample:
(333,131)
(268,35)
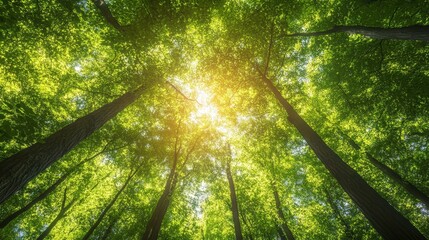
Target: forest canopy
(232,119)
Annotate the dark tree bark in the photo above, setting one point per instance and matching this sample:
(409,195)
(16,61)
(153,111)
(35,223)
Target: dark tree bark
(284,230)
(410,188)
(348,230)
(39,198)
(20,168)
(107,208)
(47,192)
(107,14)
(389,223)
(415,32)
(154,225)
(234,204)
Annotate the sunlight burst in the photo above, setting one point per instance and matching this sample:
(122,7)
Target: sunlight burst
(205,110)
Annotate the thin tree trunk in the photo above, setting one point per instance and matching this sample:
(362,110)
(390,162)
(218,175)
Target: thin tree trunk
(47,192)
(65,207)
(109,228)
(348,230)
(154,225)
(61,214)
(20,168)
(39,198)
(107,14)
(249,234)
(284,231)
(105,210)
(234,205)
(410,188)
(415,32)
(389,223)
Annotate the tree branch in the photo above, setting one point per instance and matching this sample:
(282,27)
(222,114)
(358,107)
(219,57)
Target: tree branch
(183,95)
(107,14)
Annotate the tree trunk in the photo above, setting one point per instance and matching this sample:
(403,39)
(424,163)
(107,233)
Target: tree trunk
(284,230)
(109,228)
(65,207)
(348,230)
(415,32)
(105,210)
(107,14)
(47,192)
(410,188)
(389,223)
(39,198)
(154,225)
(234,205)
(20,168)
(61,215)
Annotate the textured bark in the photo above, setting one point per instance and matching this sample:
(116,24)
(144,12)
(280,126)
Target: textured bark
(348,230)
(107,14)
(39,198)
(20,168)
(410,188)
(154,225)
(107,208)
(389,223)
(284,231)
(234,204)
(415,32)
(47,192)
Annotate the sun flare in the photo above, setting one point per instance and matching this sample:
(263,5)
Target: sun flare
(205,111)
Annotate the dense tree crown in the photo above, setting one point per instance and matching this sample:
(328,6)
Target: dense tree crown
(233,119)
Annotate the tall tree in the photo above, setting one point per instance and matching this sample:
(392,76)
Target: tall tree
(107,14)
(234,203)
(384,218)
(65,207)
(402,33)
(48,191)
(284,230)
(348,230)
(61,214)
(409,187)
(20,168)
(154,224)
(111,203)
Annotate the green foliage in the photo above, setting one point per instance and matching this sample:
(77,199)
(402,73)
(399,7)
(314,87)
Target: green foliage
(61,60)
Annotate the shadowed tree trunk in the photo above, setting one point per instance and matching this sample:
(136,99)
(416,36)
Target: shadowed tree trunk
(63,211)
(107,14)
(410,188)
(348,230)
(415,32)
(154,225)
(39,198)
(47,192)
(20,168)
(105,210)
(284,230)
(389,223)
(65,207)
(247,234)
(109,228)
(234,205)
